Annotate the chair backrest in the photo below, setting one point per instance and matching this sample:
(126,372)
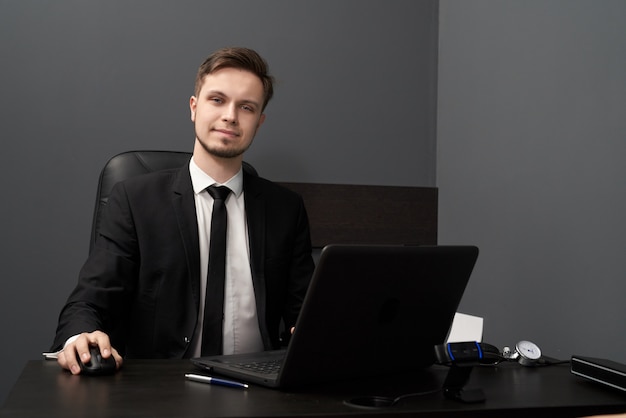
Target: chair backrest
(133,163)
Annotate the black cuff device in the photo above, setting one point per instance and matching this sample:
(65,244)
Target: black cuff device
(467,353)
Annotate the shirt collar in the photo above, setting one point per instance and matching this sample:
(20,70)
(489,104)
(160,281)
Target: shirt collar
(201,180)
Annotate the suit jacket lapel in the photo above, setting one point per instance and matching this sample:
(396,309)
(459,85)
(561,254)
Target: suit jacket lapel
(255,216)
(185,209)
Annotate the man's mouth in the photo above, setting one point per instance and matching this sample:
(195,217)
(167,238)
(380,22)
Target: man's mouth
(227,132)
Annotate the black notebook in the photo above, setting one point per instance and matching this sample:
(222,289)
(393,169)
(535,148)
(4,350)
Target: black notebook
(369,310)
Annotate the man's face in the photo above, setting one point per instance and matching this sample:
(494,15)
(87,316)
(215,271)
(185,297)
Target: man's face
(227,111)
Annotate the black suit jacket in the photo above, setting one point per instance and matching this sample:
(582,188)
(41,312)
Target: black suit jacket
(141,282)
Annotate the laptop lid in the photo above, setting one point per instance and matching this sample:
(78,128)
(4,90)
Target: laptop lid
(369,310)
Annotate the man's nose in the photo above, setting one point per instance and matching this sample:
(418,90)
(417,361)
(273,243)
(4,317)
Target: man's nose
(230,115)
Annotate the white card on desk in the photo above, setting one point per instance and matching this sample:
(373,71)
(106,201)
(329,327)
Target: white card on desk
(465,328)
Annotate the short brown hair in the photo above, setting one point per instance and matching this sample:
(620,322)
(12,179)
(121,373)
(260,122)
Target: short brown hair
(240,58)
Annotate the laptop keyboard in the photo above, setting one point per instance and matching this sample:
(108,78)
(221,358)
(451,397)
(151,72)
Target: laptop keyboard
(263,367)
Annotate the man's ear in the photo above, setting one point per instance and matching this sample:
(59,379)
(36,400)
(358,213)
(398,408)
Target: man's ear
(193,102)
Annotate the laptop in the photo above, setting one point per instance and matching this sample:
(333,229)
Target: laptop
(369,310)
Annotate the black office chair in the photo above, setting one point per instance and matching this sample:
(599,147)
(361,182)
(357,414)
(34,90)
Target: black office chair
(133,163)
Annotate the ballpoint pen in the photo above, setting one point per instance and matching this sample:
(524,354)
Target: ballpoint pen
(216,381)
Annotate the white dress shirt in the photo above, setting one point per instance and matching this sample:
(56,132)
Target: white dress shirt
(241,326)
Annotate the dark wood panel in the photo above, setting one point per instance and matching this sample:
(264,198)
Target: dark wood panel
(362,214)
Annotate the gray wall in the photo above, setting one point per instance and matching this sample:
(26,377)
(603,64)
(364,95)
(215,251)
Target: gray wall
(81,80)
(531,145)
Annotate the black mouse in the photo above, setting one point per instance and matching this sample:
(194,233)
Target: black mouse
(97,366)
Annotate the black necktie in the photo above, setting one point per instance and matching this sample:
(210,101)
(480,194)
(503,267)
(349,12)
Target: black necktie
(214,299)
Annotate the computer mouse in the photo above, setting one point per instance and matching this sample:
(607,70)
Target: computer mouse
(97,366)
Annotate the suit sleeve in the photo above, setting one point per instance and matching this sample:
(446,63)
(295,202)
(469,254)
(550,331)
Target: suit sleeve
(301,268)
(101,297)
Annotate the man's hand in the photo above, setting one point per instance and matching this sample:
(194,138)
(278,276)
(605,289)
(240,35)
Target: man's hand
(67,358)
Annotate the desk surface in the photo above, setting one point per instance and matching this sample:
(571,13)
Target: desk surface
(157,388)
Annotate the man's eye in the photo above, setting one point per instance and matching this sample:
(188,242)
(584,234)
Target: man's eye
(216,99)
(247,108)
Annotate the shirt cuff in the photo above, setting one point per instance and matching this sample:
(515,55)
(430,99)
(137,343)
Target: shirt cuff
(55,355)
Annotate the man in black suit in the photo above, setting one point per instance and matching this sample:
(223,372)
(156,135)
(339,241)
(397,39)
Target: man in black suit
(141,292)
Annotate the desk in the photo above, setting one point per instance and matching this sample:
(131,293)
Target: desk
(157,388)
